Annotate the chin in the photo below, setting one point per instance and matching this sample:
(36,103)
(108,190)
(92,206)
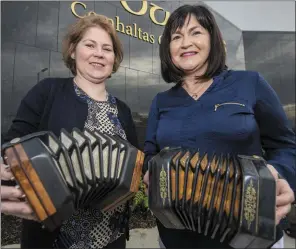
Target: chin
(97,78)
(188,69)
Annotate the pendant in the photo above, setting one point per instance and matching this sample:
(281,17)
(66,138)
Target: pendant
(194,96)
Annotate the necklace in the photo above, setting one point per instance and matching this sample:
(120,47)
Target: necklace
(195,94)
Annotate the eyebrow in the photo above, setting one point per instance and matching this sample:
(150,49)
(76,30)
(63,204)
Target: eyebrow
(192,28)
(105,44)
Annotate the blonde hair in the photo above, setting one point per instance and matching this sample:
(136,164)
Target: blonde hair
(77,31)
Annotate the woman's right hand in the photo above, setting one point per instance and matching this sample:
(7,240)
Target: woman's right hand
(12,198)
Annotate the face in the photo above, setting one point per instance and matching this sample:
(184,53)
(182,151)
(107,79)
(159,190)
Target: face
(94,55)
(190,47)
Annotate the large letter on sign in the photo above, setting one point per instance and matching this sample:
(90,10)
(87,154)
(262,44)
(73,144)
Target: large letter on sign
(141,12)
(152,14)
(74,11)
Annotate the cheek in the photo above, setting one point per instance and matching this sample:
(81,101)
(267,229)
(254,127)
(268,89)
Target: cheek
(207,45)
(82,55)
(173,53)
(110,60)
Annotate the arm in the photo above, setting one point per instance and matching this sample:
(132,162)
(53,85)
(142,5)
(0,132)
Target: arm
(278,139)
(30,112)
(150,146)
(132,134)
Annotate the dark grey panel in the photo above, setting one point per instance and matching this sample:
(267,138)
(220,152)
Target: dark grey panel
(66,18)
(6,121)
(163,86)
(132,94)
(104,8)
(116,84)
(141,51)
(7,68)
(19,21)
(7,64)
(120,22)
(169,6)
(148,85)
(47,26)
(57,66)
(157,31)
(29,61)
(115,3)
(273,55)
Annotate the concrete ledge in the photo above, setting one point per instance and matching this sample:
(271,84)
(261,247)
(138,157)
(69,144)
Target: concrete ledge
(11,246)
(139,238)
(148,238)
(143,238)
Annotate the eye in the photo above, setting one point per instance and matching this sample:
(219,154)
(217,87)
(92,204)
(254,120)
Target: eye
(108,49)
(175,37)
(90,45)
(196,32)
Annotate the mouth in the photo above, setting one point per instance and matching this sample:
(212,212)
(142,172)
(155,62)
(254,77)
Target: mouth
(188,53)
(97,64)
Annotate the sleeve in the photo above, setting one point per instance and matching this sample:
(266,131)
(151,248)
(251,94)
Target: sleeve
(132,134)
(277,137)
(29,112)
(150,146)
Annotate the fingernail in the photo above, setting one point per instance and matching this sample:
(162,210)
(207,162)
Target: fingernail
(23,196)
(12,178)
(17,186)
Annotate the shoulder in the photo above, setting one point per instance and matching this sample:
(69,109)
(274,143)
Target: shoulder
(165,97)
(45,85)
(243,75)
(122,105)
(242,79)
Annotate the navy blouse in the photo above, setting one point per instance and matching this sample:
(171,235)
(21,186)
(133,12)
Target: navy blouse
(239,114)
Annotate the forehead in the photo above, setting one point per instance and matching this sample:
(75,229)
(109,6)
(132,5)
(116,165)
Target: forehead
(185,22)
(97,34)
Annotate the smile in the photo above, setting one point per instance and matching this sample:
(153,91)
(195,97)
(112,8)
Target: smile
(97,64)
(190,53)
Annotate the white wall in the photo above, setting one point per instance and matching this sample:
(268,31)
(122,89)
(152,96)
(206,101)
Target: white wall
(257,15)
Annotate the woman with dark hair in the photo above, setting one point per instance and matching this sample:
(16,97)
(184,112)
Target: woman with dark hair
(214,109)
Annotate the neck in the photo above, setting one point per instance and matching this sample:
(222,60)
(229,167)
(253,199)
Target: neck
(191,82)
(192,79)
(96,91)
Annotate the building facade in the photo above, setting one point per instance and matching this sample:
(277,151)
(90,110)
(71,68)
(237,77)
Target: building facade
(32,34)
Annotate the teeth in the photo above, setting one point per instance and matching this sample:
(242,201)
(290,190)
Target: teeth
(96,64)
(189,53)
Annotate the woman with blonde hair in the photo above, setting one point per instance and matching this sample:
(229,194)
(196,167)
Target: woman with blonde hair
(92,51)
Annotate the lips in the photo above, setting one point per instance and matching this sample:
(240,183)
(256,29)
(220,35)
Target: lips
(189,53)
(97,64)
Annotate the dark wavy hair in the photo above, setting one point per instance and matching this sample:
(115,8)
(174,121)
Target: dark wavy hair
(217,55)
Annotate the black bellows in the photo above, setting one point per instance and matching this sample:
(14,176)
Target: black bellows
(229,197)
(78,169)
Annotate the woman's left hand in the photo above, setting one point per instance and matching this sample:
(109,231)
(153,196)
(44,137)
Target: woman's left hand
(284,195)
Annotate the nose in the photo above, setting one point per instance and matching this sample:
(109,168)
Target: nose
(98,52)
(186,43)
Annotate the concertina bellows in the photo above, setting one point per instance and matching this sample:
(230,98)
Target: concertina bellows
(227,197)
(78,169)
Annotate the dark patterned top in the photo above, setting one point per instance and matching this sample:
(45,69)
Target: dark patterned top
(92,228)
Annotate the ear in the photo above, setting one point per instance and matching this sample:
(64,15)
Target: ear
(73,55)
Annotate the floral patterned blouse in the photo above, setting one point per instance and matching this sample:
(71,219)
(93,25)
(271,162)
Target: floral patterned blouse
(92,228)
